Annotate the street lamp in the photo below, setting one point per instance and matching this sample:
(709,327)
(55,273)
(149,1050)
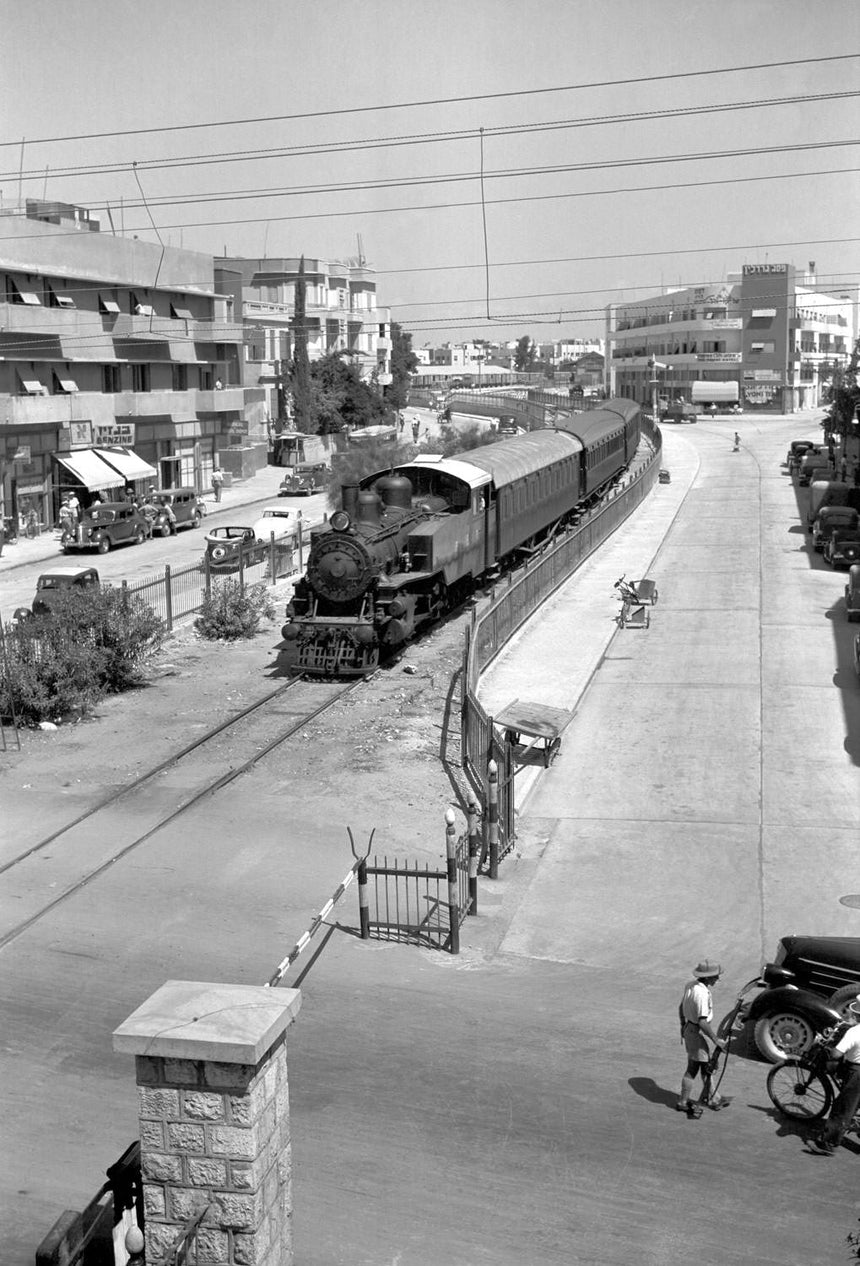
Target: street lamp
(654,381)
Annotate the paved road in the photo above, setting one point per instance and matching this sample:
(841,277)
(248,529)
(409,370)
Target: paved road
(515,1104)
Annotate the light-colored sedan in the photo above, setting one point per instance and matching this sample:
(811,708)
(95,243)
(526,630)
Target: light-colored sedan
(281,520)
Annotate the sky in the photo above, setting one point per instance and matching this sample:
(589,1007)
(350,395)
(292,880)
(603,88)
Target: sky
(328,128)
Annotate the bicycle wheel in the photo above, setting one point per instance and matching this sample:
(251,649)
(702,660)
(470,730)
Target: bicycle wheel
(799,1092)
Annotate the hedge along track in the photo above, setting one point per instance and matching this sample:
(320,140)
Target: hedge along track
(84,857)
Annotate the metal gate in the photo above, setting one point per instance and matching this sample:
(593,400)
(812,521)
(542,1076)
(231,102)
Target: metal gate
(418,904)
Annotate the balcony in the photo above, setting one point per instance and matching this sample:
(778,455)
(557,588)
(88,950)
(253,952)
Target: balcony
(102,407)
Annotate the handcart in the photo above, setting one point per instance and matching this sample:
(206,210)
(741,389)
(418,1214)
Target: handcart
(538,722)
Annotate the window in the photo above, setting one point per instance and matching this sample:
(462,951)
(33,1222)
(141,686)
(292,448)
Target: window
(140,377)
(64,386)
(180,314)
(111,379)
(206,382)
(144,310)
(31,387)
(180,377)
(107,306)
(55,299)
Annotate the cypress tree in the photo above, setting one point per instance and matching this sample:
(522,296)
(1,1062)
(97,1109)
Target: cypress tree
(300,370)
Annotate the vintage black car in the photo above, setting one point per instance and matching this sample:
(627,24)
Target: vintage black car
(842,549)
(305,479)
(852,593)
(828,520)
(52,583)
(104,525)
(796,450)
(227,546)
(168,509)
(806,989)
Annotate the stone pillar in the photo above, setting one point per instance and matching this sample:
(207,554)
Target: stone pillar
(211,1066)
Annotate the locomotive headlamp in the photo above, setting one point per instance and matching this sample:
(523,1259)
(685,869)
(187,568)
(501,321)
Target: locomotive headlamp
(364,634)
(397,607)
(340,521)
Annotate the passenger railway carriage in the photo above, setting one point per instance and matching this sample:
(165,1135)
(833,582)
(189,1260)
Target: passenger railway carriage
(411,542)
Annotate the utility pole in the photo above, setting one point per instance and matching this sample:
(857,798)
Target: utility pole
(654,365)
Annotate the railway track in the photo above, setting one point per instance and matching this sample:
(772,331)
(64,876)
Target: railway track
(81,850)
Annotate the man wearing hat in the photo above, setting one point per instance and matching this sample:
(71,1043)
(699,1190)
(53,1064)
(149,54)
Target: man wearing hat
(696,1013)
(845,1062)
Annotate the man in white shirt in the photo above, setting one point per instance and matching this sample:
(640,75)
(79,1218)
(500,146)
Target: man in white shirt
(696,1013)
(845,1062)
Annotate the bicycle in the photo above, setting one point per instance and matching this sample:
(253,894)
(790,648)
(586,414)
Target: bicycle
(802,1088)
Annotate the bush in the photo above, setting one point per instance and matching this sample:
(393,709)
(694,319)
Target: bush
(230,614)
(92,644)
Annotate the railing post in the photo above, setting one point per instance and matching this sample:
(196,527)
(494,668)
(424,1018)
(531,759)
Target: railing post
(453,887)
(363,907)
(125,597)
(272,562)
(493,817)
(242,568)
(207,576)
(299,537)
(168,596)
(473,858)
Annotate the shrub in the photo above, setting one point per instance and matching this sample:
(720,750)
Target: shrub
(230,614)
(91,644)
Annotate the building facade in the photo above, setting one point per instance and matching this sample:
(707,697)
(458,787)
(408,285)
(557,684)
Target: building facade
(767,338)
(341,315)
(111,346)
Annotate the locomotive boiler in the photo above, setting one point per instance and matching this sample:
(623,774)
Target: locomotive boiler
(410,543)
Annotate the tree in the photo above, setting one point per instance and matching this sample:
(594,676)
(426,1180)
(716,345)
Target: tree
(403,363)
(339,398)
(524,355)
(844,394)
(300,368)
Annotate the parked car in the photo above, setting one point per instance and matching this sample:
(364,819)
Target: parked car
(168,509)
(828,519)
(806,989)
(278,520)
(842,549)
(225,546)
(852,593)
(814,464)
(105,525)
(796,450)
(305,479)
(51,583)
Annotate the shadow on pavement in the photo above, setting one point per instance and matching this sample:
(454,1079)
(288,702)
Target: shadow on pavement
(648,1089)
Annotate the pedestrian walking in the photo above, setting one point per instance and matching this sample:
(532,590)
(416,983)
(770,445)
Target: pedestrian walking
(843,470)
(845,1065)
(217,481)
(74,506)
(696,1014)
(401,422)
(416,429)
(737,442)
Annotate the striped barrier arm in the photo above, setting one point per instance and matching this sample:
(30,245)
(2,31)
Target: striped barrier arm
(305,939)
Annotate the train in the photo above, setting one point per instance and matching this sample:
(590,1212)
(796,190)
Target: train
(411,542)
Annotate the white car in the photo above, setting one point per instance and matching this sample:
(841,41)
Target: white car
(282,520)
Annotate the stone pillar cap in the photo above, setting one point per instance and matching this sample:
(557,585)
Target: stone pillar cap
(190,1019)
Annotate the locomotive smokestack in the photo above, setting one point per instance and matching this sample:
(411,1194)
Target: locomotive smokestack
(349,499)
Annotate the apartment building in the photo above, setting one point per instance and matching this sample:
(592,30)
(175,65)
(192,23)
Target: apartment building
(341,315)
(768,338)
(119,364)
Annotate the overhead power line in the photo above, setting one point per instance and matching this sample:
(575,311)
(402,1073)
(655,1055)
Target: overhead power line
(437,101)
(426,138)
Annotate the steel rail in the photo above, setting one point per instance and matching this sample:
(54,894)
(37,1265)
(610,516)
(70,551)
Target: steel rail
(216,785)
(233,719)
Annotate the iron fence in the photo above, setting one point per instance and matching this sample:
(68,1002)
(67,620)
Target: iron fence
(416,903)
(509,607)
(181,591)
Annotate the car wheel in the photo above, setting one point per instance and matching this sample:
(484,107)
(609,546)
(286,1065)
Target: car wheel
(103,544)
(783,1035)
(195,519)
(165,529)
(841,999)
(139,536)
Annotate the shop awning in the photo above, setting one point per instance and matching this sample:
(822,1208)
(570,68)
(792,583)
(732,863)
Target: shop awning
(129,465)
(90,470)
(715,393)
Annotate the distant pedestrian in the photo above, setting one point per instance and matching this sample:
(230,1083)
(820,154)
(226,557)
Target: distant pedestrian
(217,481)
(74,506)
(696,1014)
(843,470)
(401,422)
(416,430)
(737,442)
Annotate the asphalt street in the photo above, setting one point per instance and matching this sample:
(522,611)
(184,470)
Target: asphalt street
(516,1103)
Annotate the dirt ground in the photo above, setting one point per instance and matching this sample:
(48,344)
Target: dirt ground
(382,746)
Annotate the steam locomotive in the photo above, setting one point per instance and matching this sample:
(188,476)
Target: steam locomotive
(411,542)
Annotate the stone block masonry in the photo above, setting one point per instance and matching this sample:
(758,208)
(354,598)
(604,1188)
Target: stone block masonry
(213,1106)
